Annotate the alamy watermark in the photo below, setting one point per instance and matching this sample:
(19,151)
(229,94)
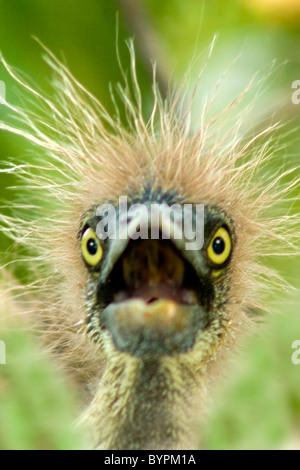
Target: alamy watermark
(296,94)
(177,222)
(2,353)
(2,92)
(296,354)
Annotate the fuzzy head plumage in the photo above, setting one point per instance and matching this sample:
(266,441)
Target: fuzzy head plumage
(155,364)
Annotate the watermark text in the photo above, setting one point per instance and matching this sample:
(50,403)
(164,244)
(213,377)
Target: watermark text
(142,221)
(296,354)
(2,92)
(296,94)
(2,353)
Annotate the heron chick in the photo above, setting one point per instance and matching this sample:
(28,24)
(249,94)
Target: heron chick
(143,322)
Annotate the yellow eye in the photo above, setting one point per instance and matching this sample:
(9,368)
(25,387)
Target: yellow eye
(91,248)
(219,248)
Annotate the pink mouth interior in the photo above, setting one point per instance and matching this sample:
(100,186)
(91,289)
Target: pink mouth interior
(153,270)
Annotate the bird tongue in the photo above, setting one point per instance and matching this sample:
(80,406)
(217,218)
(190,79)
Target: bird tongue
(150,294)
(153,270)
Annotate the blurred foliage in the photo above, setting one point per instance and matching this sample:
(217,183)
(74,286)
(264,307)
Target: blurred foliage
(38,406)
(260,404)
(280,11)
(258,407)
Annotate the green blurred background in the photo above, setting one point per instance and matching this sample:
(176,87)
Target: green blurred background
(259,406)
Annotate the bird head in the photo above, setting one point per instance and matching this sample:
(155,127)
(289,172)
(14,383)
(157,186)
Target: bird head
(159,300)
(158,270)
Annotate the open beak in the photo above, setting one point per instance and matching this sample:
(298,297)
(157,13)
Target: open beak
(155,307)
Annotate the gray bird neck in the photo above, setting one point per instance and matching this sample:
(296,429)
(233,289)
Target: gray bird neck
(147,404)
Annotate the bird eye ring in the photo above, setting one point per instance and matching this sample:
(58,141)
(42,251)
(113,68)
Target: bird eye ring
(219,248)
(91,248)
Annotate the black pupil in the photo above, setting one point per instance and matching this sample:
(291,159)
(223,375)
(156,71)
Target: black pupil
(218,245)
(92,246)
